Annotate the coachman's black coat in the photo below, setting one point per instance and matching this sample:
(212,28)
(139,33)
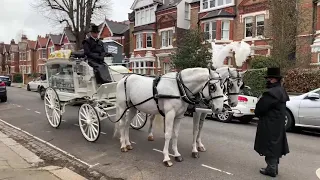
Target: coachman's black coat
(271,139)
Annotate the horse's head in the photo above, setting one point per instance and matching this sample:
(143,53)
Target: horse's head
(234,84)
(213,91)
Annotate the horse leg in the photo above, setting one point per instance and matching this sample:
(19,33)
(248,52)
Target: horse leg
(196,119)
(132,112)
(122,126)
(176,127)
(201,147)
(169,125)
(150,131)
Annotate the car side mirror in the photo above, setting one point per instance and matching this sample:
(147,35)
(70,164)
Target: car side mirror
(313,96)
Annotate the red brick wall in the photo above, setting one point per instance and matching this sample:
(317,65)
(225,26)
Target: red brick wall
(105,32)
(195,8)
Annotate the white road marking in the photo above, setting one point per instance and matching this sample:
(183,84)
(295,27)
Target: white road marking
(103,133)
(77,125)
(133,142)
(209,167)
(18,106)
(63,120)
(318,173)
(37,112)
(162,152)
(49,144)
(28,109)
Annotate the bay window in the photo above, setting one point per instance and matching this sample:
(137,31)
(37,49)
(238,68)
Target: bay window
(225,28)
(248,26)
(260,25)
(208,4)
(166,37)
(139,41)
(187,11)
(145,16)
(210,30)
(149,40)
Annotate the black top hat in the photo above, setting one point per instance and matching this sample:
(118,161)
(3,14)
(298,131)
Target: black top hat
(273,73)
(94,28)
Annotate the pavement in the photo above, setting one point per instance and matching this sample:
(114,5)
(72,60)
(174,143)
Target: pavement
(229,154)
(18,163)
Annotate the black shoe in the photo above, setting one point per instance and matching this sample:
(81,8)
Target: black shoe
(266,172)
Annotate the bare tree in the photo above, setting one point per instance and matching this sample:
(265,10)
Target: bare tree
(77,14)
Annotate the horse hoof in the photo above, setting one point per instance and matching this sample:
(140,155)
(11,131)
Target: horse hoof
(150,138)
(129,147)
(124,149)
(195,154)
(168,163)
(178,159)
(201,149)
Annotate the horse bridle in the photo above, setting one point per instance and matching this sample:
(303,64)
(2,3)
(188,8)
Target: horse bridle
(212,87)
(230,81)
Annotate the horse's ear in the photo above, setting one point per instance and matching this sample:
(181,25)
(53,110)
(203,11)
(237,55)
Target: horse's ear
(242,73)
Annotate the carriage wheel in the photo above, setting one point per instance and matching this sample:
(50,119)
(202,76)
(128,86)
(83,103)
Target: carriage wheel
(139,120)
(52,107)
(89,122)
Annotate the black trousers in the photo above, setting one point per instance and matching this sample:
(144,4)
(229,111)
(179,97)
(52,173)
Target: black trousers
(101,72)
(272,163)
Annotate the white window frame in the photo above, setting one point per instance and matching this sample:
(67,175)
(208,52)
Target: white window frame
(187,8)
(51,49)
(166,38)
(256,31)
(225,30)
(318,57)
(210,29)
(166,68)
(145,16)
(245,26)
(139,41)
(214,6)
(149,34)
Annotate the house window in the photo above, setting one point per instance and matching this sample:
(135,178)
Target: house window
(144,16)
(166,37)
(260,25)
(248,26)
(210,29)
(29,56)
(51,49)
(149,41)
(225,28)
(43,54)
(187,11)
(139,44)
(166,68)
(206,4)
(318,57)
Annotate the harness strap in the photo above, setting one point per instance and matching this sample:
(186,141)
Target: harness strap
(125,90)
(155,93)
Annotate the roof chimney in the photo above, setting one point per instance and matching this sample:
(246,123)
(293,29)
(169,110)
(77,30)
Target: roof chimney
(12,42)
(24,38)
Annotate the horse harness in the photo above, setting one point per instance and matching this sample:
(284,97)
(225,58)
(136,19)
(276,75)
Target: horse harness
(231,79)
(185,93)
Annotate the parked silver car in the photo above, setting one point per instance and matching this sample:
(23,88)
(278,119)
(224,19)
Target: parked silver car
(303,110)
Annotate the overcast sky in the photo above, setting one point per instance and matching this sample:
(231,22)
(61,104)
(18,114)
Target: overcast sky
(18,15)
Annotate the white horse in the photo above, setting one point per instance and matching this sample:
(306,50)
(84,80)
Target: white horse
(170,97)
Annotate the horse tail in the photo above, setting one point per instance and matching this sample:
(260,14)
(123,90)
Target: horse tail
(120,105)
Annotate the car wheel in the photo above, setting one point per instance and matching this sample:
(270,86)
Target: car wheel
(289,123)
(225,117)
(42,92)
(245,119)
(4,99)
(28,88)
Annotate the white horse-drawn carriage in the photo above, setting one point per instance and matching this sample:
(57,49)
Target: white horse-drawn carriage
(70,81)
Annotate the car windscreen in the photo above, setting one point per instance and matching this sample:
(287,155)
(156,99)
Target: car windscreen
(4,79)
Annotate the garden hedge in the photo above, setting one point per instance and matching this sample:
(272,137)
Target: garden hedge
(302,80)
(259,62)
(17,78)
(254,78)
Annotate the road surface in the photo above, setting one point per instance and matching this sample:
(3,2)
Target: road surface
(229,155)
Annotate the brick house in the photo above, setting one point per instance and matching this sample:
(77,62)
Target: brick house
(23,68)
(68,40)
(312,33)
(53,43)
(155,26)
(6,59)
(2,60)
(41,53)
(14,57)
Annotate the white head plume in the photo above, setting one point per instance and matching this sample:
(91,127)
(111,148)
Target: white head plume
(242,52)
(219,54)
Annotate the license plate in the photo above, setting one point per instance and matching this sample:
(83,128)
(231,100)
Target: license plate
(252,110)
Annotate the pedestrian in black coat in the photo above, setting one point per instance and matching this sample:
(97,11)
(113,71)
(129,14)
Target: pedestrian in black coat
(271,140)
(94,50)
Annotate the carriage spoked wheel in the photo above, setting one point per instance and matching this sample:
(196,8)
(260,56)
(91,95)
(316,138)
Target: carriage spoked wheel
(89,122)
(139,120)
(52,107)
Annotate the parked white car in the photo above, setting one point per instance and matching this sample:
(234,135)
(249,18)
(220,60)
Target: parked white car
(35,84)
(244,111)
(303,110)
